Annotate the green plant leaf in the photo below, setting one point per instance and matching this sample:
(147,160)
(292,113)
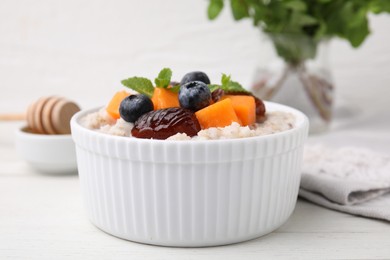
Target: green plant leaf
(307,20)
(239,9)
(312,20)
(164,78)
(320,32)
(296,5)
(380,6)
(214,9)
(358,33)
(141,85)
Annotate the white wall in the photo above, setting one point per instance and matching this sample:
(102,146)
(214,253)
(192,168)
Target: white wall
(82,49)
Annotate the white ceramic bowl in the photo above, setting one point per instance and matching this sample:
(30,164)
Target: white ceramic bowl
(190,193)
(54,154)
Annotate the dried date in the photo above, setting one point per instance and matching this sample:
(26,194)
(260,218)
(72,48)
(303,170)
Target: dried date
(217,94)
(163,123)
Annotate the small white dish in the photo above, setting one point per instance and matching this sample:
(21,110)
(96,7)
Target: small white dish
(53,154)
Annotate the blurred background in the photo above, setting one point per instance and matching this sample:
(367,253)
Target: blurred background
(83,49)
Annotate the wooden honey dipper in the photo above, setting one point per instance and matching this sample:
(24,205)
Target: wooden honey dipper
(47,115)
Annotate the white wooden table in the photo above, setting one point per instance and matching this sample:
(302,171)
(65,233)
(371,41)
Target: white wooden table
(42,217)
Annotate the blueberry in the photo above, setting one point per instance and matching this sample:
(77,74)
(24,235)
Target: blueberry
(194,95)
(195,76)
(134,106)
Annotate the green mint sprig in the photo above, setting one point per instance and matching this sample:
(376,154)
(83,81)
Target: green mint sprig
(145,86)
(164,78)
(213,87)
(139,84)
(174,89)
(228,85)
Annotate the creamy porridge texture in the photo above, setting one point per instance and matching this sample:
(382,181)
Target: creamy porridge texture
(192,109)
(276,121)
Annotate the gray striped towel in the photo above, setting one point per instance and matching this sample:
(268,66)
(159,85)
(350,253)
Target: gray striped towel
(350,179)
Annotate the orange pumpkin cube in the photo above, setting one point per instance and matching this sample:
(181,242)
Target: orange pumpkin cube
(245,108)
(219,114)
(113,106)
(164,98)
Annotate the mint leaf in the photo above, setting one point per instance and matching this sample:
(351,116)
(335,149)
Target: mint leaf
(164,78)
(234,86)
(215,7)
(213,87)
(174,89)
(141,85)
(230,86)
(225,80)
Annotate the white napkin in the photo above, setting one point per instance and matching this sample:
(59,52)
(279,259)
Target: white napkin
(350,179)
